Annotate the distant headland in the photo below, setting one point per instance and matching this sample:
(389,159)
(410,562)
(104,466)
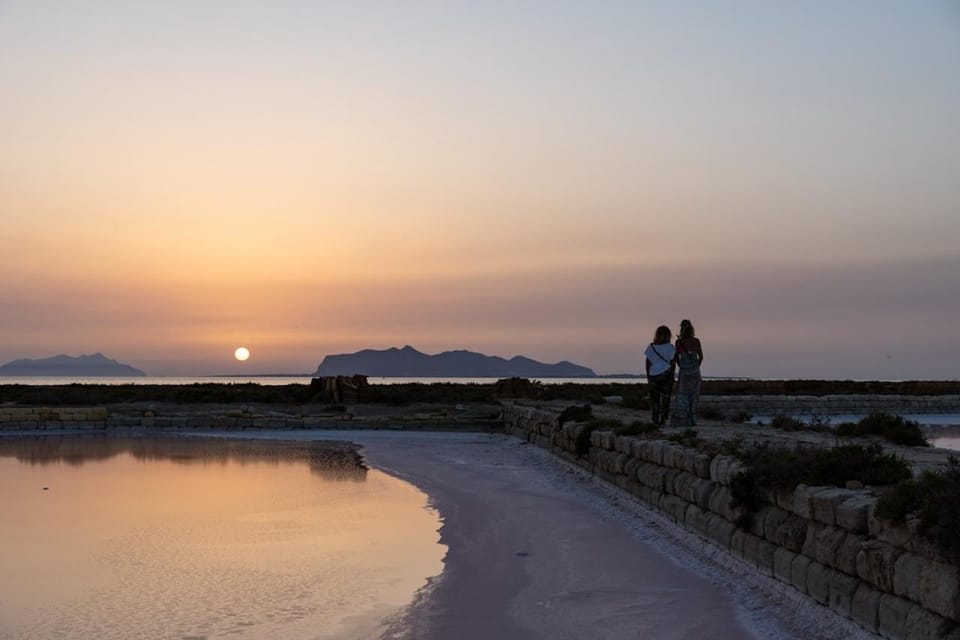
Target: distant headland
(408,362)
(95,365)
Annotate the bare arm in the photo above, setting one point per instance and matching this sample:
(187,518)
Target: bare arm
(648,367)
(700,352)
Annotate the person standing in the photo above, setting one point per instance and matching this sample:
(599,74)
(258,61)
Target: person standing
(688,357)
(659,366)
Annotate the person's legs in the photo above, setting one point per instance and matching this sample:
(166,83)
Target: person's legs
(665,400)
(655,400)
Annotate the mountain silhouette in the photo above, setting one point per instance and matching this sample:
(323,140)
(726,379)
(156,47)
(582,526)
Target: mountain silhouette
(95,365)
(410,363)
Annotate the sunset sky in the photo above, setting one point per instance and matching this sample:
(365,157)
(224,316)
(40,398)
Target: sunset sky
(547,178)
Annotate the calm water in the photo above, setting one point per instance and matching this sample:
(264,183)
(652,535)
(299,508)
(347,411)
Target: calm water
(190,539)
(277,380)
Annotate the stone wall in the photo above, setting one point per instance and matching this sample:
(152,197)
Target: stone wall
(822,541)
(768,405)
(227,417)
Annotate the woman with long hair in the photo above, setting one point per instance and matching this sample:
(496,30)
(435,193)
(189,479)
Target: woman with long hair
(688,357)
(659,364)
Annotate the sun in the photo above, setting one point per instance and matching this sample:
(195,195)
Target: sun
(241,354)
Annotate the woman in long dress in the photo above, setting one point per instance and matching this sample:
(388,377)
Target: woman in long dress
(688,358)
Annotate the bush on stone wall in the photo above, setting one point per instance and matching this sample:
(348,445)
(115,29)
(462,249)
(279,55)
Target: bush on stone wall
(895,429)
(932,499)
(770,470)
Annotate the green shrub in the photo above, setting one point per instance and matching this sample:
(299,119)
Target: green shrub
(933,499)
(581,444)
(687,437)
(787,423)
(780,470)
(895,429)
(577,413)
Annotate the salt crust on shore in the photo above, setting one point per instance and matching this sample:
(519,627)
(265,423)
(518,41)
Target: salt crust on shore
(596,530)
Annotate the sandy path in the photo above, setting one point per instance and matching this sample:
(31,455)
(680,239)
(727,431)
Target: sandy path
(537,550)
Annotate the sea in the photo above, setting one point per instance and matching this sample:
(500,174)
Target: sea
(282,380)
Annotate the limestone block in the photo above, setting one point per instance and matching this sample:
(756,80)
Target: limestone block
(669,480)
(866,607)
(773,518)
(824,503)
(842,589)
(701,465)
(906,576)
(720,530)
(940,588)
(733,469)
(683,484)
(818,582)
(893,616)
(695,519)
(618,462)
(757,521)
(637,447)
(701,493)
(623,444)
(608,440)
(924,625)
(716,464)
(720,502)
(630,467)
(875,564)
(765,551)
(792,532)
(673,507)
(803,501)
(751,549)
(737,541)
(824,543)
(846,557)
(852,513)
(656,452)
(798,572)
(595,440)
(783,564)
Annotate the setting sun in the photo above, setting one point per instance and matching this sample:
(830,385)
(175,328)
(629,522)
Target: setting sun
(241,354)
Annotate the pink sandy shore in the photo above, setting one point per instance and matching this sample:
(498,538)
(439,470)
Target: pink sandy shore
(537,550)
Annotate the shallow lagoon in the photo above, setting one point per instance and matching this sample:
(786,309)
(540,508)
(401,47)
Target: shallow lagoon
(188,538)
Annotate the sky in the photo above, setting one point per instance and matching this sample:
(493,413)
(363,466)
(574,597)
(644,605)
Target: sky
(546,178)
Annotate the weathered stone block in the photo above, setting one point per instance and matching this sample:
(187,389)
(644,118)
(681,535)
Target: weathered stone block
(702,492)
(737,540)
(720,502)
(765,551)
(822,546)
(803,501)
(940,588)
(720,530)
(866,607)
(824,503)
(792,533)
(773,518)
(924,625)
(846,557)
(893,616)
(852,513)
(818,582)
(701,465)
(906,576)
(798,572)
(842,588)
(783,564)
(751,549)
(875,564)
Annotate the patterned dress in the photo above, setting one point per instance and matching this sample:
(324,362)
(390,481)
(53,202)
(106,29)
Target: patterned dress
(686,396)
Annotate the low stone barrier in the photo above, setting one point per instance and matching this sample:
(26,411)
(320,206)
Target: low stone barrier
(830,404)
(823,541)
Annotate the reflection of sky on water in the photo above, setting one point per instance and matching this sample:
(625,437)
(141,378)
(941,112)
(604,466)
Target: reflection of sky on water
(157,538)
(337,461)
